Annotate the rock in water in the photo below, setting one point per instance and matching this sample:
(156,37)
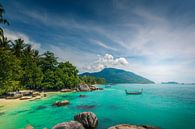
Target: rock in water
(88,119)
(69,125)
(126,126)
(29,127)
(61,103)
(84,87)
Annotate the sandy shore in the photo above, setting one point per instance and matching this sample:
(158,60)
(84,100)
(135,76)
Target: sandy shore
(11,103)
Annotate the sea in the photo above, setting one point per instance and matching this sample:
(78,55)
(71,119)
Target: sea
(169,106)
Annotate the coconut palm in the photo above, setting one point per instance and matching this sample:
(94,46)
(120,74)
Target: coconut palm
(4,42)
(18,47)
(2,19)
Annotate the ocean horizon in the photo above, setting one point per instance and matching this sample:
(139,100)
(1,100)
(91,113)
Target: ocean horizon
(169,106)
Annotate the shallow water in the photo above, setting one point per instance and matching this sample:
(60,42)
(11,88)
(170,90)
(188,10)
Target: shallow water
(167,106)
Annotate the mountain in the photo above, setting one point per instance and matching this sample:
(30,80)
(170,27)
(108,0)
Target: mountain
(112,75)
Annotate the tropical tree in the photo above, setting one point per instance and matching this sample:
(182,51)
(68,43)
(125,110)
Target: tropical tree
(48,61)
(18,46)
(4,42)
(2,19)
(10,72)
(68,74)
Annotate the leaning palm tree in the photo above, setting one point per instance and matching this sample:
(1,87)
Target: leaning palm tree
(2,19)
(4,42)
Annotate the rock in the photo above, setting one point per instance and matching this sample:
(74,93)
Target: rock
(83,87)
(93,88)
(69,125)
(66,90)
(61,103)
(29,127)
(82,96)
(34,94)
(126,126)
(44,95)
(88,119)
(100,88)
(26,97)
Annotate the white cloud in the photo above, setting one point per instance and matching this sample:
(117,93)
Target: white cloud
(99,43)
(11,35)
(106,61)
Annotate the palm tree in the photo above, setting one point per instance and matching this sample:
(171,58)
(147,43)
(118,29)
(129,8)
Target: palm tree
(4,42)
(28,49)
(2,19)
(18,47)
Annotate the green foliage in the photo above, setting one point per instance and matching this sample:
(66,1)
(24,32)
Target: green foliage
(48,61)
(21,67)
(10,72)
(92,80)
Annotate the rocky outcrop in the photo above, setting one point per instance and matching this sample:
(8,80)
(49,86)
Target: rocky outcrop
(69,125)
(34,94)
(66,90)
(26,97)
(92,88)
(87,119)
(83,87)
(86,87)
(29,127)
(126,126)
(61,103)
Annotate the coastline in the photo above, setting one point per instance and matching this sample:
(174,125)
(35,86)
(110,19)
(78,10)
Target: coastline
(6,104)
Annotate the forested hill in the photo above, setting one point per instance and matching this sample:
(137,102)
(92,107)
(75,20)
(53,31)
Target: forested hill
(112,75)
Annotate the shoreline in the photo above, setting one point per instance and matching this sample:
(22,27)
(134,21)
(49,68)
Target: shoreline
(6,104)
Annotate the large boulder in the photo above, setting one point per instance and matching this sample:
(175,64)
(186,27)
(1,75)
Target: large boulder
(83,87)
(92,88)
(88,119)
(69,125)
(61,103)
(29,127)
(126,126)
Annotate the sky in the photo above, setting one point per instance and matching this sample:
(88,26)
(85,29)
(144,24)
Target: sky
(153,38)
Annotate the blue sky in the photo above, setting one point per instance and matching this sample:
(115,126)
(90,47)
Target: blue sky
(153,38)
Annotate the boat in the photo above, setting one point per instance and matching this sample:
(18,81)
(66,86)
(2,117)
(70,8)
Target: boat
(134,93)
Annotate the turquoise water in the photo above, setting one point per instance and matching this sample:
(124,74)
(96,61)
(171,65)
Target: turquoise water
(167,106)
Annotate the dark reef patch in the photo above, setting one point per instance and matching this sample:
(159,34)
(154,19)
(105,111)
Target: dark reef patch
(86,107)
(2,113)
(113,107)
(41,107)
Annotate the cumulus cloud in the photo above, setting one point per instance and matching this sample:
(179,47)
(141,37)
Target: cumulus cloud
(11,35)
(106,61)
